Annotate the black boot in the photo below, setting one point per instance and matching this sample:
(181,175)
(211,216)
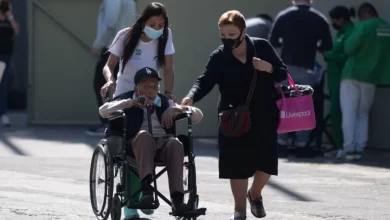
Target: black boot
(178,205)
(147,191)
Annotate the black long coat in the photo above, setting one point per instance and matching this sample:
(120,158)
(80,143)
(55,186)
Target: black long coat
(240,157)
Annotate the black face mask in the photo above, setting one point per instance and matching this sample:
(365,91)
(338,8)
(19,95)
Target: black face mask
(230,44)
(4,6)
(336,26)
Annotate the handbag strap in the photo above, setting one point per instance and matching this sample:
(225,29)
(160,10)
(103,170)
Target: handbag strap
(254,80)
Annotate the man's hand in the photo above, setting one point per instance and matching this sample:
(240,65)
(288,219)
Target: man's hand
(169,116)
(142,101)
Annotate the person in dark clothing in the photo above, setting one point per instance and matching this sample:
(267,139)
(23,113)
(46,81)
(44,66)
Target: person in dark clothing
(259,26)
(232,67)
(114,15)
(161,143)
(9,28)
(300,31)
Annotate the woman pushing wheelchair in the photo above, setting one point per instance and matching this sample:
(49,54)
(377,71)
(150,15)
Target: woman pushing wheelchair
(162,143)
(148,43)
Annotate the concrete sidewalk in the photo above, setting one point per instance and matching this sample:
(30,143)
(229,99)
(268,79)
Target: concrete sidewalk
(44,174)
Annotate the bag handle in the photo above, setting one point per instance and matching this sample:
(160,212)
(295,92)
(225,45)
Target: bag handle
(291,82)
(254,79)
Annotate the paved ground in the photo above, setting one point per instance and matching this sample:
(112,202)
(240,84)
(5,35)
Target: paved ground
(44,175)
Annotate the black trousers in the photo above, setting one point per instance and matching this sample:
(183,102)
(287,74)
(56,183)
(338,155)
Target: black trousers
(99,80)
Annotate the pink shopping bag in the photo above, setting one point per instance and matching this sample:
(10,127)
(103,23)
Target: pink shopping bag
(296,113)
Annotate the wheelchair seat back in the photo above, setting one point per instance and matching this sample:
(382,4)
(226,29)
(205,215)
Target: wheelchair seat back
(115,136)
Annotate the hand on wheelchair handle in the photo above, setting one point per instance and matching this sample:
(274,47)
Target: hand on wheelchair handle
(187,101)
(168,118)
(104,91)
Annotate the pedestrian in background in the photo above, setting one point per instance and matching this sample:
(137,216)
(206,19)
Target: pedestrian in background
(9,28)
(114,15)
(300,31)
(336,58)
(259,26)
(368,50)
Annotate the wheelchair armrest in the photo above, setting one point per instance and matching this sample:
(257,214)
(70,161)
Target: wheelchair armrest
(116,115)
(183,115)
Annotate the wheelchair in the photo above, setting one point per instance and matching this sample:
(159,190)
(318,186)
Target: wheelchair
(113,152)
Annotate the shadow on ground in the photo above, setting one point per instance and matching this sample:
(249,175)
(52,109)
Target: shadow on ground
(372,158)
(62,134)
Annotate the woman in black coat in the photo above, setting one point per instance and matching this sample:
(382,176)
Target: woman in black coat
(232,67)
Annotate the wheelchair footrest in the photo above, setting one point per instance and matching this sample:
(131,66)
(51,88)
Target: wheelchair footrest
(191,214)
(136,205)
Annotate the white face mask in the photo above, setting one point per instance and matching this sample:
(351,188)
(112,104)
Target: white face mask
(152,33)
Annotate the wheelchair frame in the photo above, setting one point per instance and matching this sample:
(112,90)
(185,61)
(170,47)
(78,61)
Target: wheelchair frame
(115,201)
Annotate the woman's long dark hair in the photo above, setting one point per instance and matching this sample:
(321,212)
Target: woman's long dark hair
(134,35)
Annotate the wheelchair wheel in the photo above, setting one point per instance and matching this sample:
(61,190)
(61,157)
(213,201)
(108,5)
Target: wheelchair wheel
(101,182)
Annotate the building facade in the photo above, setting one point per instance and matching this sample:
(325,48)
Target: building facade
(61,68)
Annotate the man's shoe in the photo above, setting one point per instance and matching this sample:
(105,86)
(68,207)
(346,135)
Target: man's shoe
(178,209)
(131,214)
(178,205)
(147,197)
(147,211)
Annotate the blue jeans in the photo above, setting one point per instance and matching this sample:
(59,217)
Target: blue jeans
(301,76)
(5,84)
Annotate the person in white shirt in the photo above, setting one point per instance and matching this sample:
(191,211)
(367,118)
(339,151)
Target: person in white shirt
(114,15)
(144,144)
(148,43)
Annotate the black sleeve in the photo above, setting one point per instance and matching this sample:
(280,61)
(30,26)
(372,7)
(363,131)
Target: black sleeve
(276,32)
(326,37)
(270,55)
(206,82)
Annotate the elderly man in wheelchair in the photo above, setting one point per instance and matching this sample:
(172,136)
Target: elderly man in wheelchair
(150,133)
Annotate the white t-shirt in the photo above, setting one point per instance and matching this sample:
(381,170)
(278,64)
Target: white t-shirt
(145,55)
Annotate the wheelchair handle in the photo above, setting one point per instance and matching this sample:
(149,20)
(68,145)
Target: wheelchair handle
(116,115)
